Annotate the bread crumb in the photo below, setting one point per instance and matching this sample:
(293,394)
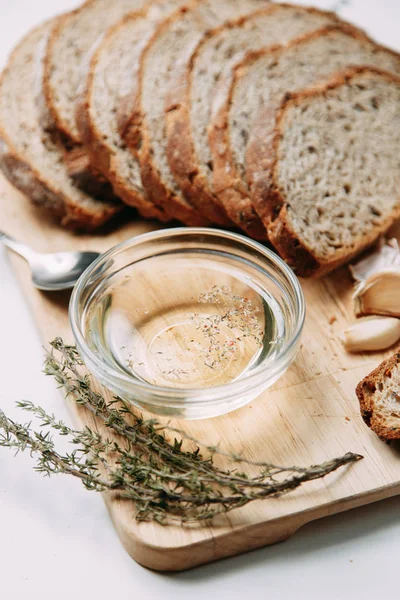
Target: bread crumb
(332,320)
(347,418)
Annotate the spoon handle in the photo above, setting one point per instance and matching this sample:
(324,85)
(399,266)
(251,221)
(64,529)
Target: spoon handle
(17,247)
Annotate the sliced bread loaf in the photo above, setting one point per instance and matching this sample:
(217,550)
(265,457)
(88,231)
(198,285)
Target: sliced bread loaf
(168,54)
(113,76)
(379,397)
(335,178)
(28,156)
(260,84)
(208,78)
(66,59)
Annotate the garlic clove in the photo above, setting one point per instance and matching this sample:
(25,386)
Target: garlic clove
(386,255)
(379,294)
(373,334)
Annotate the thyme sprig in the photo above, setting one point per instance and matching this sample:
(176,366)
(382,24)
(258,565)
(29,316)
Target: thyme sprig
(166,480)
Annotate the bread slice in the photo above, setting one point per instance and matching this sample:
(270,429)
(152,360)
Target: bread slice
(332,51)
(335,179)
(168,54)
(379,397)
(66,60)
(207,79)
(242,144)
(28,156)
(113,76)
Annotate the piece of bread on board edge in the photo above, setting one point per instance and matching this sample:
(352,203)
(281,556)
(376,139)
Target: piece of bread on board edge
(379,397)
(29,157)
(336,176)
(67,54)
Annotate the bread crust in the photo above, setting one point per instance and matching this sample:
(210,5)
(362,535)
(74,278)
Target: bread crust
(181,158)
(298,255)
(42,192)
(181,151)
(27,181)
(227,183)
(365,391)
(139,141)
(54,121)
(100,153)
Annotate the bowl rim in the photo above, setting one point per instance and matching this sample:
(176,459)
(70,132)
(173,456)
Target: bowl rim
(211,393)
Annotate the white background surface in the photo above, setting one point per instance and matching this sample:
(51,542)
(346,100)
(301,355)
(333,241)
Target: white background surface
(56,540)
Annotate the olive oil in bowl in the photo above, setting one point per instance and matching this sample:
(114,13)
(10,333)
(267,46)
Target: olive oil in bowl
(184,323)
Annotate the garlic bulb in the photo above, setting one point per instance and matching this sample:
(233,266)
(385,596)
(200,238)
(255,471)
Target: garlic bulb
(373,334)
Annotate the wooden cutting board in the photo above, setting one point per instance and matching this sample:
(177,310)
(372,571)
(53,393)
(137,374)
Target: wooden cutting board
(307,417)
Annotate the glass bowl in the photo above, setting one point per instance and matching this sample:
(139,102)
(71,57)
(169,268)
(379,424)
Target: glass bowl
(188,322)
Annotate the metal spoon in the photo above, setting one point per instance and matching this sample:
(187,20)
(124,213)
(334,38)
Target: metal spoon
(52,272)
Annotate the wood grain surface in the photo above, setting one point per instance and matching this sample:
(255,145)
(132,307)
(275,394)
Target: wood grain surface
(308,416)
